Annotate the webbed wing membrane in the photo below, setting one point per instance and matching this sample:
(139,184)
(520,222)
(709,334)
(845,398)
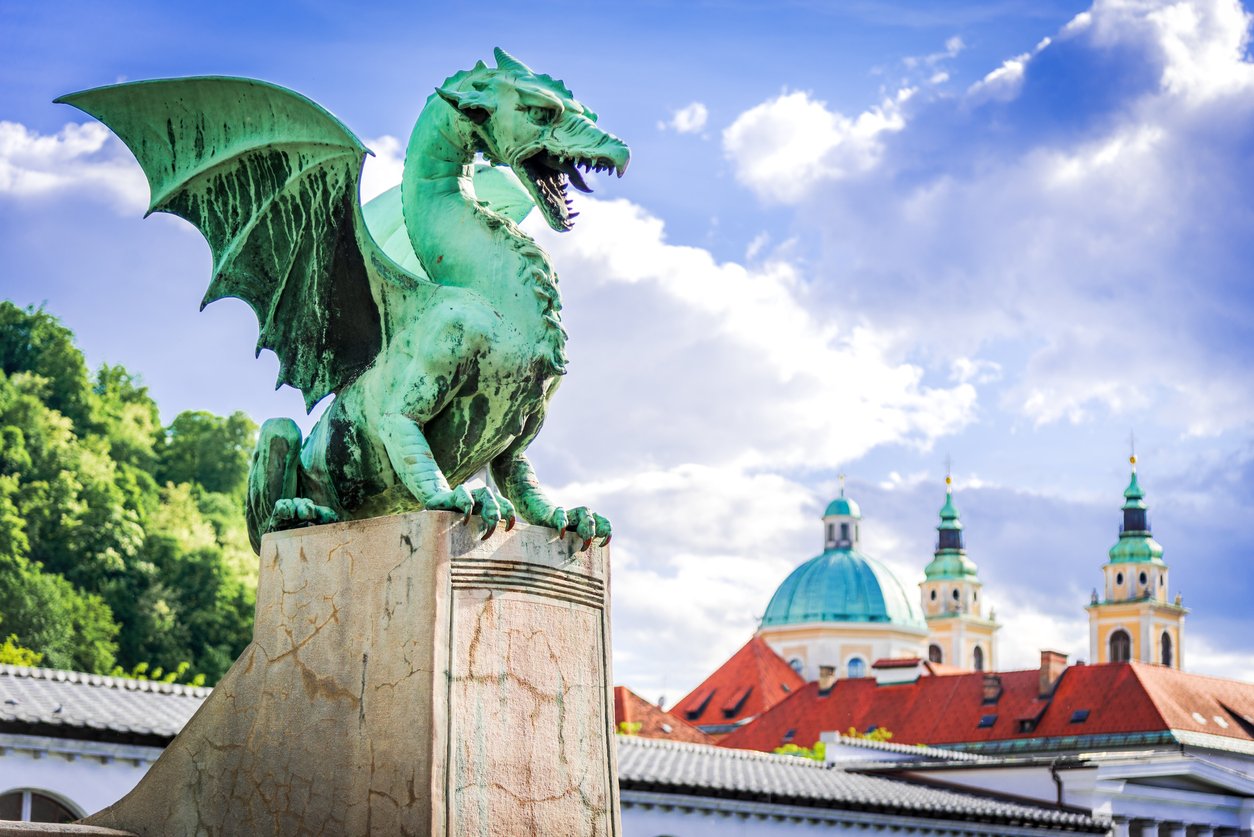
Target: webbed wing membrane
(496,188)
(271,180)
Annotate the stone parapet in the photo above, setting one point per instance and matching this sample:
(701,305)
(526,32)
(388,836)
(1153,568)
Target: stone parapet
(404,677)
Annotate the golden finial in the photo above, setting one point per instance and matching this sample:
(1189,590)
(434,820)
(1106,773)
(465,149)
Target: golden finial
(949,466)
(841,477)
(1132,450)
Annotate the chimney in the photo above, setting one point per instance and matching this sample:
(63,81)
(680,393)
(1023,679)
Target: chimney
(1053,664)
(992,688)
(827,679)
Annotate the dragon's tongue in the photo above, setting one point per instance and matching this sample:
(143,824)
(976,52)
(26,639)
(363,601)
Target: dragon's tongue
(576,179)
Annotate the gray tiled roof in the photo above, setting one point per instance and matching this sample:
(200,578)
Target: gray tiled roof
(931,753)
(700,769)
(94,706)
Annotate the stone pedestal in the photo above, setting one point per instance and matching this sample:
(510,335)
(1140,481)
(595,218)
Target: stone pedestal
(404,678)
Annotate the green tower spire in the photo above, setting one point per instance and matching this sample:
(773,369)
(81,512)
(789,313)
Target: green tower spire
(950,560)
(1135,543)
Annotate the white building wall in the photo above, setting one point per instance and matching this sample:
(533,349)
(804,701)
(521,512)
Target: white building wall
(85,776)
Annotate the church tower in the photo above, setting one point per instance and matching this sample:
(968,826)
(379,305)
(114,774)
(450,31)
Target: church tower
(958,633)
(1134,620)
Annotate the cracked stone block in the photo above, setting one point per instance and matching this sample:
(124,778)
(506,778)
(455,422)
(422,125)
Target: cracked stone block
(405,677)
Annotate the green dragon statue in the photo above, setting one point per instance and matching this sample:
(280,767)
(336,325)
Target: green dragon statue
(429,314)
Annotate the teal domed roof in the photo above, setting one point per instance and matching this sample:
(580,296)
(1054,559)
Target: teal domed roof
(844,506)
(842,585)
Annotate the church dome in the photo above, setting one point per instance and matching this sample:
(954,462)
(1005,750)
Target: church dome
(843,506)
(842,585)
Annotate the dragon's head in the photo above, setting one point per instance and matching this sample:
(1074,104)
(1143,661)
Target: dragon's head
(534,125)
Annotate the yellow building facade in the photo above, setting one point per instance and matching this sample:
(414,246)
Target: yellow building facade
(1134,619)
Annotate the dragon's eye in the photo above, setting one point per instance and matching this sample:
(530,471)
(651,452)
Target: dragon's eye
(541,115)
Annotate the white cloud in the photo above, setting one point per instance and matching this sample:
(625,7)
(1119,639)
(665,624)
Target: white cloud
(690,119)
(383,170)
(784,147)
(953,46)
(975,370)
(1065,249)
(1003,83)
(79,158)
(743,344)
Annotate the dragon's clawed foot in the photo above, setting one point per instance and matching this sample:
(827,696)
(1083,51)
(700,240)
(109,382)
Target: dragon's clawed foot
(587,524)
(294,512)
(485,502)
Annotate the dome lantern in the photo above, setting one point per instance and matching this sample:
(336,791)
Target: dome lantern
(841,522)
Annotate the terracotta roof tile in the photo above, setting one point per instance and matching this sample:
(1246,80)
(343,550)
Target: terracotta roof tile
(753,680)
(1109,699)
(630,708)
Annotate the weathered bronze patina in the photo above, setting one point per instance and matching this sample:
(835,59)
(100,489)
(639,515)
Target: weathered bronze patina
(430,315)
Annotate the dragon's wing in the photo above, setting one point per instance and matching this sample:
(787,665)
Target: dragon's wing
(499,189)
(271,180)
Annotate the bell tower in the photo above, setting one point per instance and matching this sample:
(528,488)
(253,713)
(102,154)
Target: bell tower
(1133,619)
(958,633)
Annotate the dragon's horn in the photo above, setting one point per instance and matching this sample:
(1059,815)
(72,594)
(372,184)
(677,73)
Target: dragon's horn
(505,61)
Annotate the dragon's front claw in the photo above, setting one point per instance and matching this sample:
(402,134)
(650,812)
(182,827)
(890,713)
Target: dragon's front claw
(589,526)
(293,512)
(457,500)
(487,506)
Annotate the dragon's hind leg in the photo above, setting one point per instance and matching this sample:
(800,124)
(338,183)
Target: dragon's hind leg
(273,484)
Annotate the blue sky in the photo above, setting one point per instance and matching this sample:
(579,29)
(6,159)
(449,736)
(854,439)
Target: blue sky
(855,237)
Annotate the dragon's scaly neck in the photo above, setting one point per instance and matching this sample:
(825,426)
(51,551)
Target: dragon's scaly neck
(461,243)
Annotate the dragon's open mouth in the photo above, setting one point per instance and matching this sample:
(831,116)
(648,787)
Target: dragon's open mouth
(549,174)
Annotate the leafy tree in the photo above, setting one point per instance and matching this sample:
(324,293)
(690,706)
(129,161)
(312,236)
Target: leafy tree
(15,655)
(69,628)
(210,451)
(876,734)
(816,753)
(32,340)
(121,541)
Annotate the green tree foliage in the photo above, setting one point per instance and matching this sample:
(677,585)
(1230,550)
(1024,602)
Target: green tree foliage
(816,753)
(12,654)
(209,451)
(122,542)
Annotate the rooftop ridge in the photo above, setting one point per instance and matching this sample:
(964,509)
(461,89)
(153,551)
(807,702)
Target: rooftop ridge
(726,753)
(920,749)
(104,681)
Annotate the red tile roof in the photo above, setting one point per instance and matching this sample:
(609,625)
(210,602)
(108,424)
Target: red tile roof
(950,709)
(748,684)
(630,708)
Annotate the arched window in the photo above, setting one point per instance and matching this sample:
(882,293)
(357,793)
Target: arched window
(831,534)
(1120,646)
(857,667)
(935,654)
(977,658)
(933,595)
(35,806)
(795,664)
(1166,648)
(844,531)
